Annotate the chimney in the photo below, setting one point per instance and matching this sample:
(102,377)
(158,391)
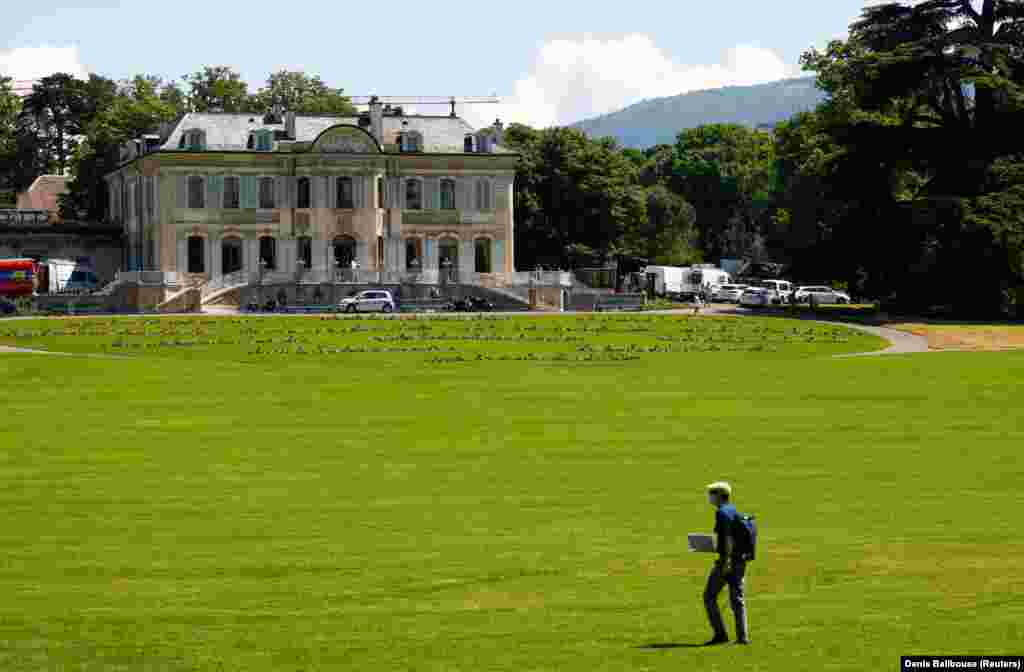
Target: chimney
(499,132)
(289,125)
(376,119)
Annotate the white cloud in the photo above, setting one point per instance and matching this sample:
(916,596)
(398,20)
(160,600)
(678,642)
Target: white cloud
(571,80)
(30,63)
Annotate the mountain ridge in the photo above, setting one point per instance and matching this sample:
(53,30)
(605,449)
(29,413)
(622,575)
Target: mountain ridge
(655,121)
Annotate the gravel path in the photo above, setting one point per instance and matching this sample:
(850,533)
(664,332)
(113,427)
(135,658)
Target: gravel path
(900,342)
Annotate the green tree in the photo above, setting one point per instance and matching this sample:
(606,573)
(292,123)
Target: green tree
(575,197)
(298,92)
(54,113)
(668,235)
(10,108)
(217,89)
(726,172)
(136,108)
(924,100)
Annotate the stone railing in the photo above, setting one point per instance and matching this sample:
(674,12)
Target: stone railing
(541,278)
(165,278)
(224,281)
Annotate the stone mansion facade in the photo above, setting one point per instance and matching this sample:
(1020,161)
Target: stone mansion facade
(397,196)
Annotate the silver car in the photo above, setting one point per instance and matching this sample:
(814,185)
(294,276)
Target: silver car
(821,294)
(756,297)
(728,293)
(369,301)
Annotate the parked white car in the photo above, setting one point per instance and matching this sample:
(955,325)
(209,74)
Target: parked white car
(728,293)
(821,293)
(756,297)
(781,290)
(370,301)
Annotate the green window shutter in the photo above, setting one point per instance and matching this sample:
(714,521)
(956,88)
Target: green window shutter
(249,194)
(214,189)
(181,191)
(498,262)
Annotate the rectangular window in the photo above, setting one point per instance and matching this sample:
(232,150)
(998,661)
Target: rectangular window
(345,199)
(447,195)
(195,192)
(149,197)
(413,192)
(304,198)
(380,192)
(231,192)
(266,193)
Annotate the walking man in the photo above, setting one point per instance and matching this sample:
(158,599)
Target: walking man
(729,568)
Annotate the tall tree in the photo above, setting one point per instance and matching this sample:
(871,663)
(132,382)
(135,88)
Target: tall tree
(136,108)
(217,89)
(54,113)
(575,197)
(298,92)
(925,98)
(10,107)
(726,172)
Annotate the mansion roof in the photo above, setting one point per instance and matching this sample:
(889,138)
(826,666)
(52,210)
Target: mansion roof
(231,132)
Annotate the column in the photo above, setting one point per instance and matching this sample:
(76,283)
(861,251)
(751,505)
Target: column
(467,260)
(430,254)
(216,258)
(319,253)
(182,256)
(363,253)
(286,253)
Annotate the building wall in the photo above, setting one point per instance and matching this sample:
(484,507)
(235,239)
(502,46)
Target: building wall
(172,222)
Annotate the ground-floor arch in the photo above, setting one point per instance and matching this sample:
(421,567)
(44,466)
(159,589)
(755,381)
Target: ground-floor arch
(344,251)
(230,255)
(448,258)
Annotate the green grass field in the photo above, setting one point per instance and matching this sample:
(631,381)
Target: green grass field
(324,494)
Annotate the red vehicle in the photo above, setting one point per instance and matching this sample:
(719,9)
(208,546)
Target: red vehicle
(17,277)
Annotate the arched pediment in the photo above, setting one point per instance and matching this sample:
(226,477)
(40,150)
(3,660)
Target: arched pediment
(346,139)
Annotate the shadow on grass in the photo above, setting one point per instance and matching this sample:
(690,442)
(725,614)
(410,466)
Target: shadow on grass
(657,646)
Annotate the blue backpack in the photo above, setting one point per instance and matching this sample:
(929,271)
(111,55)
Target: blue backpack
(745,536)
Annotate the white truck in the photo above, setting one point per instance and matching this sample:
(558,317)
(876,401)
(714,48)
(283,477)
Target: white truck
(665,280)
(57,276)
(704,280)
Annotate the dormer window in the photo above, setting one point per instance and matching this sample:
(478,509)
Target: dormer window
(411,141)
(261,141)
(193,139)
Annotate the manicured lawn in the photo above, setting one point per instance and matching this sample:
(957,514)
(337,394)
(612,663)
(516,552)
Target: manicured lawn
(237,505)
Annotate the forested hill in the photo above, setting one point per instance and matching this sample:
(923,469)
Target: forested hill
(659,120)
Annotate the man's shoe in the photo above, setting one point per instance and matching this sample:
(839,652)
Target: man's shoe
(717,639)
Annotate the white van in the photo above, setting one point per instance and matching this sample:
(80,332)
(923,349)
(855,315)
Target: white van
(782,290)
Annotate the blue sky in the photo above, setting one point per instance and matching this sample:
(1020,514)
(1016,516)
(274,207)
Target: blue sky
(552,62)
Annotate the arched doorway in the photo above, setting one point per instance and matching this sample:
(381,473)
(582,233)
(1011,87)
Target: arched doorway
(230,255)
(448,259)
(345,255)
(268,252)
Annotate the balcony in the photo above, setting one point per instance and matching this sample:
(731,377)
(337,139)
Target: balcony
(13,217)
